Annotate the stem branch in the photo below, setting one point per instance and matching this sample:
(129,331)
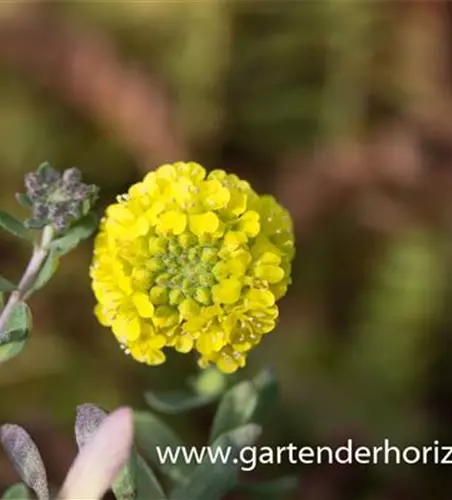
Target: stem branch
(28,279)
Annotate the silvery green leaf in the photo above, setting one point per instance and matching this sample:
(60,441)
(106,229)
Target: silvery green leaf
(44,168)
(212,479)
(88,419)
(244,403)
(14,226)
(26,458)
(16,492)
(13,345)
(151,433)
(15,334)
(144,479)
(35,223)
(83,229)
(24,200)
(6,285)
(48,269)
(177,402)
(19,319)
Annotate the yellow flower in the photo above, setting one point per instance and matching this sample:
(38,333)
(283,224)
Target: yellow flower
(192,261)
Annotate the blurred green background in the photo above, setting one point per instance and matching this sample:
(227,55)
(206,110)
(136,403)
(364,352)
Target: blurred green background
(342,110)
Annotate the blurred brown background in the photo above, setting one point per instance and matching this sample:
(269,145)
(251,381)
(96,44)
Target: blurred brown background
(342,110)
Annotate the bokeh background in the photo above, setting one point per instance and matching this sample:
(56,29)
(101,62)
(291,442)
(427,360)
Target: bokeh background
(341,109)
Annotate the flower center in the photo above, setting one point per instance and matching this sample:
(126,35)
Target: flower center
(186,271)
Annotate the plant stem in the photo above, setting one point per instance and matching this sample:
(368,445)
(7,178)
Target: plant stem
(40,253)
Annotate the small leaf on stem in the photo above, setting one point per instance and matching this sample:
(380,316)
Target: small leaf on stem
(15,334)
(80,231)
(6,285)
(14,226)
(48,269)
(24,200)
(26,458)
(151,433)
(244,403)
(177,402)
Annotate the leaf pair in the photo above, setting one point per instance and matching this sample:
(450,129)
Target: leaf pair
(249,403)
(236,425)
(15,227)
(15,334)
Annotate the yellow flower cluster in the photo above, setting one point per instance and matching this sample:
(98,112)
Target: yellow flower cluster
(192,261)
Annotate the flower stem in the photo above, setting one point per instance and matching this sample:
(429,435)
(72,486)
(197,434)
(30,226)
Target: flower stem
(40,253)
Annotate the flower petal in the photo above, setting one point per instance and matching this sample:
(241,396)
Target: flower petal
(227,292)
(143,304)
(200,224)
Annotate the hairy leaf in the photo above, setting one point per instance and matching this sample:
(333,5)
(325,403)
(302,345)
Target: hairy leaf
(150,434)
(244,403)
(47,271)
(6,285)
(82,230)
(24,200)
(14,226)
(26,458)
(15,334)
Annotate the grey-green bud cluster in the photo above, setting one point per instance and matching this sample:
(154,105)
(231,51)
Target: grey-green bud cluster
(55,198)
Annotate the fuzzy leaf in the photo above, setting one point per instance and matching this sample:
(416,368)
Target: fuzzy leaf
(82,230)
(24,200)
(47,271)
(44,167)
(177,402)
(88,419)
(19,319)
(144,479)
(212,479)
(13,346)
(14,226)
(26,458)
(16,492)
(14,337)
(150,433)
(244,403)
(35,223)
(6,285)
